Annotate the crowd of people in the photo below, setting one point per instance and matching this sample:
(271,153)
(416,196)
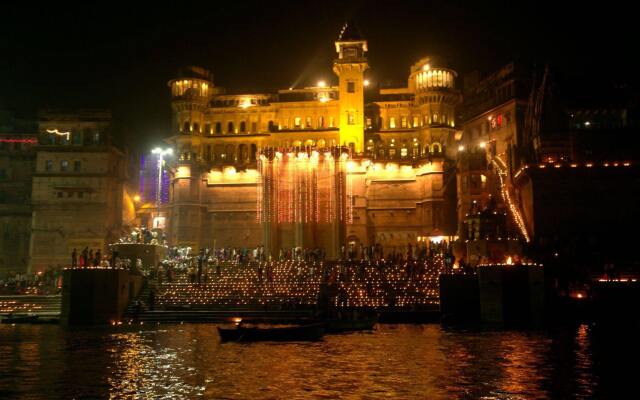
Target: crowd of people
(145,236)
(45,282)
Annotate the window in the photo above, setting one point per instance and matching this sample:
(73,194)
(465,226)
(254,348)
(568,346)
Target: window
(369,123)
(351,120)
(3,173)
(403,152)
(308,122)
(392,122)
(297,121)
(64,165)
(320,122)
(96,138)
(254,127)
(196,127)
(77,165)
(218,127)
(48,165)
(230,127)
(80,195)
(416,121)
(207,129)
(403,122)
(243,127)
(483,181)
(331,122)
(351,87)
(76,137)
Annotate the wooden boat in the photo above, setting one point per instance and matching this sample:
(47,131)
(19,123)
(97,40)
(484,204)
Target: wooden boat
(241,333)
(351,325)
(19,319)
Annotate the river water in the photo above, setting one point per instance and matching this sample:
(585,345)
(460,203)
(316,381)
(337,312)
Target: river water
(393,362)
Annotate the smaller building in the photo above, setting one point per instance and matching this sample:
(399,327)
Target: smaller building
(78,187)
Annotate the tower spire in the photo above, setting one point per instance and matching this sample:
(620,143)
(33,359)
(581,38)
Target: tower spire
(350,66)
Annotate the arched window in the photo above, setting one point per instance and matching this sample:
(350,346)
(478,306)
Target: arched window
(219,153)
(230,153)
(218,128)
(436,148)
(230,127)
(243,152)
(186,127)
(196,127)
(207,128)
(243,127)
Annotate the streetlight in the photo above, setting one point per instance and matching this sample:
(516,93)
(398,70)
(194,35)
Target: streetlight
(161,153)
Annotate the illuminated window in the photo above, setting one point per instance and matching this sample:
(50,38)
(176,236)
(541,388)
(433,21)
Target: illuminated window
(483,181)
(392,122)
(403,152)
(64,165)
(403,122)
(351,120)
(351,87)
(368,123)
(320,122)
(48,165)
(331,122)
(297,122)
(416,121)
(308,122)
(392,152)
(435,118)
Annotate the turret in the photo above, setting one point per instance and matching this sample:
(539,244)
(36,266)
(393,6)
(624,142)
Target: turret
(350,66)
(435,92)
(190,94)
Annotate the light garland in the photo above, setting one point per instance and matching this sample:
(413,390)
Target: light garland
(515,213)
(57,132)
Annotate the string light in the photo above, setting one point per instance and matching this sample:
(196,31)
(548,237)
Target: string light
(515,213)
(57,132)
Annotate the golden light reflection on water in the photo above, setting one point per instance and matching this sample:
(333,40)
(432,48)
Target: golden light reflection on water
(395,361)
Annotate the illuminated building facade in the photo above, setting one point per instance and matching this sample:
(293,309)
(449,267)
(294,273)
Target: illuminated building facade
(397,170)
(77,189)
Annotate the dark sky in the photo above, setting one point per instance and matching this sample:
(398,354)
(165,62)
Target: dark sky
(121,56)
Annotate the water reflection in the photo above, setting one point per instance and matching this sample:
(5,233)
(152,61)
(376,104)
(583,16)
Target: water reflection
(396,361)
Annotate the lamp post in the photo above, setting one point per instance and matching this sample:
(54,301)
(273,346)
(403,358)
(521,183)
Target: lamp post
(161,153)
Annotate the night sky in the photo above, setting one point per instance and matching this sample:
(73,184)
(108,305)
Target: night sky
(121,56)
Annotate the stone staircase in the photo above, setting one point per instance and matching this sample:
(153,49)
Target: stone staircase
(45,306)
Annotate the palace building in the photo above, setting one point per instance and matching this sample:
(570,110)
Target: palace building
(323,166)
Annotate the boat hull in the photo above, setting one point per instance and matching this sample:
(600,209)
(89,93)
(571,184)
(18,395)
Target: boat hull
(310,332)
